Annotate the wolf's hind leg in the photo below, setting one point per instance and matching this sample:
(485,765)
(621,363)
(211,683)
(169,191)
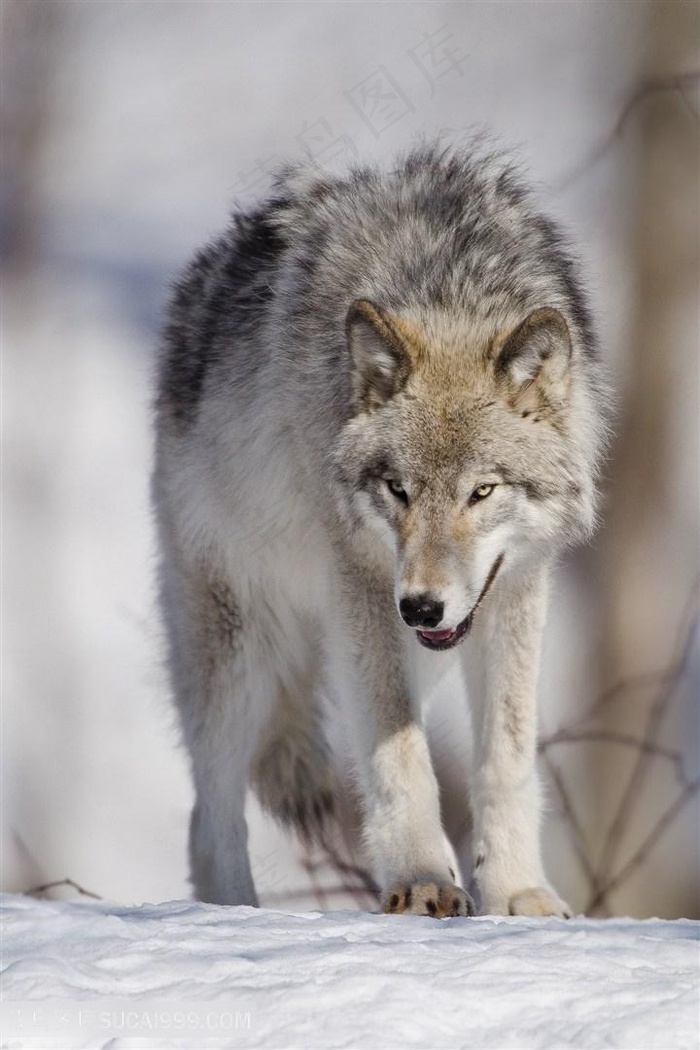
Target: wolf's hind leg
(292,773)
(218,841)
(220,692)
(219,863)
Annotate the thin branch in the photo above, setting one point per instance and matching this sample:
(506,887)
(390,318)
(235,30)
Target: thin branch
(653,722)
(37,890)
(575,830)
(368,885)
(678,83)
(651,679)
(311,868)
(608,736)
(646,847)
(648,680)
(666,682)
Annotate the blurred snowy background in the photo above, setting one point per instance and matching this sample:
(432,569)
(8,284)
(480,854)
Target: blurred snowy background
(128,131)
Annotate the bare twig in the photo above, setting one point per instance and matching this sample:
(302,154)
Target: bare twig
(311,868)
(604,878)
(653,722)
(367,883)
(576,831)
(678,82)
(646,847)
(608,736)
(38,890)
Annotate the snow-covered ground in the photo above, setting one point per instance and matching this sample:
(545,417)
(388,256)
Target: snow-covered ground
(185,974)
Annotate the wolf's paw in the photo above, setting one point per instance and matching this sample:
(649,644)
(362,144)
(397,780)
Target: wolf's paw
(294,781)
(428,898)
(539,901)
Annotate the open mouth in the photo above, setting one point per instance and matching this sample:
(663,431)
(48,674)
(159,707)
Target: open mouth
(447,639)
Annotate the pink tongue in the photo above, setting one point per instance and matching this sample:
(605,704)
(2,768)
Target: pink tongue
(437,636)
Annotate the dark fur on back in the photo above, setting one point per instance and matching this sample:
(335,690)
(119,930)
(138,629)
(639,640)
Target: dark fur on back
(219,297)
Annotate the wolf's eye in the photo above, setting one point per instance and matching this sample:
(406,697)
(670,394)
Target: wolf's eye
(481,492)
(396,489)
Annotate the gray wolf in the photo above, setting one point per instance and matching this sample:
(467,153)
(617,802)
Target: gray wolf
(378,419)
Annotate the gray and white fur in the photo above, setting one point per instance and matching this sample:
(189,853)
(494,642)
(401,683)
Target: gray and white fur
(378,416)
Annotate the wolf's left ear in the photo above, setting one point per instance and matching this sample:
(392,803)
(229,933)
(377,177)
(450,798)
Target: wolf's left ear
(381,361)
(537,354)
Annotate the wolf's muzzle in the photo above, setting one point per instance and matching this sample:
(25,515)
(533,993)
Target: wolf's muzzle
(447,639)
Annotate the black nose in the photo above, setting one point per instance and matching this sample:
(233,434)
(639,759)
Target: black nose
(421,610)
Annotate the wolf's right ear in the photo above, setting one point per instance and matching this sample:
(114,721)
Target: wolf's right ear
(381,362)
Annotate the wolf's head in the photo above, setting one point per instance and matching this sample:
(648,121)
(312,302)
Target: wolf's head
(470,451)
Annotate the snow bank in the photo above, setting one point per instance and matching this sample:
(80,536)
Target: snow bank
(185,974)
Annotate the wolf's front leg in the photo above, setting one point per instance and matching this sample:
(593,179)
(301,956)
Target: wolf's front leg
(402,824)
(501,663)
